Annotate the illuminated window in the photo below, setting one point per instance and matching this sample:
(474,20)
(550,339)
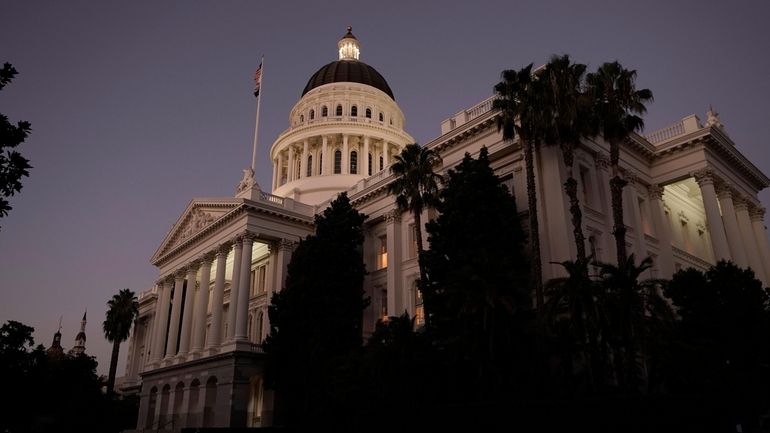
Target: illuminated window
(337,161)
(381,118)
(368,113)
(354,111)
(419,307)
(382,253)
(324,111)
(309,166)
(339,110)
(369,165)
(354,162)
(312,114)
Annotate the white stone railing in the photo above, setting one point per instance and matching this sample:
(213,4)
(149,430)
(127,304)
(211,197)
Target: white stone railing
(287,203)
(479,109)
(666,133)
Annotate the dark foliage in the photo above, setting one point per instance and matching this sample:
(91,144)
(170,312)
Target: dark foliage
(122,309)
(476,271)
(54,393)
(316,319)
(13,166)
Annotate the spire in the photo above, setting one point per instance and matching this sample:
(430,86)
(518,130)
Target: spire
(80,338)
(56,350)
(349,48)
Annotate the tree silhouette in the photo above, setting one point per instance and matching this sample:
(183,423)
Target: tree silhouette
(122,309)
(316,319)
(13,166)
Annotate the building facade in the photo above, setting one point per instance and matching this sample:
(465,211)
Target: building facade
(195,356)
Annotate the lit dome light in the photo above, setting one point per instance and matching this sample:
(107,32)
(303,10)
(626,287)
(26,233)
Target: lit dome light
(348,46)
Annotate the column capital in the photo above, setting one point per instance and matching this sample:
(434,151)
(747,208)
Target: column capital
(180,274)
(740,202)
(224,249)
(602,161)
(237,240)
(248,236)
(392,216)
(193,266)
(207,258)
(655,191)
(757,213)
(704,176)
(724,190)
(285,244)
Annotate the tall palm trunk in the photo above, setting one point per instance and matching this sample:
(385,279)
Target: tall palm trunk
(534,227)
(570,186)
(616,194)
(113,367)
(418,235)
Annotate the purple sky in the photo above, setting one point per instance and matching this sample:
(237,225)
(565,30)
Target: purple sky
(137,107)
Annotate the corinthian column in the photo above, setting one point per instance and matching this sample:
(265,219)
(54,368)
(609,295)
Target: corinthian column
(705,180)
(363,160)
(747,235)
(393,233)
(189,305)
(241,319)
(758,226)
(234,282)
(731,225)
(202,304)
(161,317)
(662,231)
(176,311)
(217,298)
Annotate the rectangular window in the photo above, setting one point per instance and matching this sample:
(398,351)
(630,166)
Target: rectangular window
(261,278)
(585,186)
(252,282)
(419,308)
(382,253)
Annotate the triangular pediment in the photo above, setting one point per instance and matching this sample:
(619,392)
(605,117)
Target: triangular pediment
(198,215)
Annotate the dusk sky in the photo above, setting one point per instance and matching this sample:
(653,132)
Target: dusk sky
(137,107)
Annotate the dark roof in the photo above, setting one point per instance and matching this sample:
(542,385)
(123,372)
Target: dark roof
(349,71)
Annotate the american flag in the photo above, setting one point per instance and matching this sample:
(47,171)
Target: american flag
(257,80)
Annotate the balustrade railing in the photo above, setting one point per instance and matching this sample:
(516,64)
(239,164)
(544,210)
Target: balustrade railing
(666,133)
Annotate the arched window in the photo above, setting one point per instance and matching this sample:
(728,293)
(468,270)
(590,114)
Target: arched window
(339,111)
(368,113)
(354,111)
(309,166)
(381,167)
(324,111)
(260,324)
(354,162)
(369,165)
(381,118)
(301,117)
(312,114)
(337,161)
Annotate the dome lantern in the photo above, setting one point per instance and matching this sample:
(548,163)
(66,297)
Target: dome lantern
(348,46)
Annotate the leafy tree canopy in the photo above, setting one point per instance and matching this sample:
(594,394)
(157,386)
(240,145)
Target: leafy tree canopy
(13,166)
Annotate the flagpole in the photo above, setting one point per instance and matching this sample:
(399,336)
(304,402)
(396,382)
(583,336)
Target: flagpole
(256,121)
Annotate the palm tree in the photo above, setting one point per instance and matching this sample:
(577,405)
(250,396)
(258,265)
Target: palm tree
(520,100)
(576,304)
(571,117)
(122,310)
(617,105)
(631,305)
(416,186)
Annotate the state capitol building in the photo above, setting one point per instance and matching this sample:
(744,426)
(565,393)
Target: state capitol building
(195,356)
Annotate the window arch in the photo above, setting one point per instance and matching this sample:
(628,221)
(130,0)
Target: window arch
(324,111)
(354,111)
(301,117)
(337,161)
(309,171)
(312,114)
(381,117)
(339,111)
(354,162)
(368,113)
